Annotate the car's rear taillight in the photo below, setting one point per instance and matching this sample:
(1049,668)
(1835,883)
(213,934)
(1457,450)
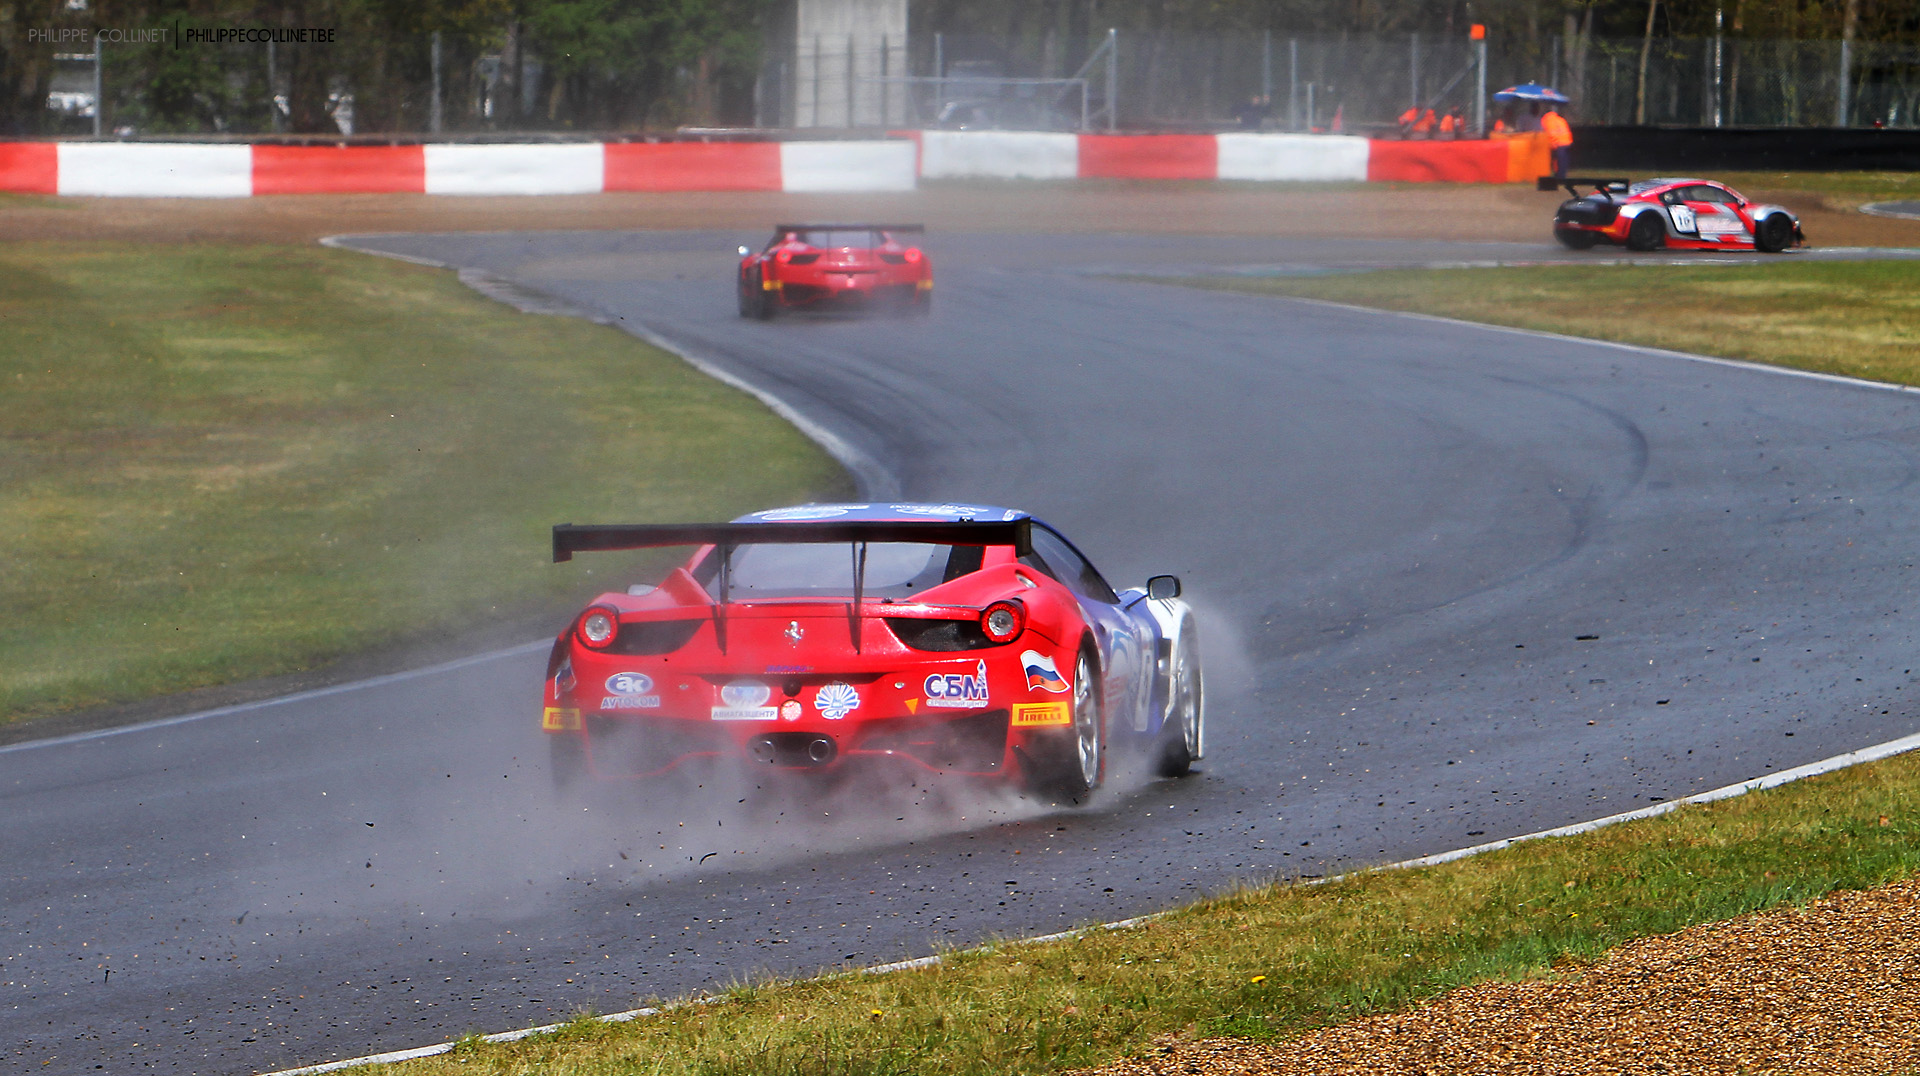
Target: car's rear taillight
(1003,621)
(783,257)
(913,255)
(598,627)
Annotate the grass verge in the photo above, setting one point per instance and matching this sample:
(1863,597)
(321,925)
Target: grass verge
(1276,961)
(225,462)
(1860,319)
(1837,190)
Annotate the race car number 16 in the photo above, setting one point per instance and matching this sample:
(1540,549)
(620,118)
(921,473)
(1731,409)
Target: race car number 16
(1683,218)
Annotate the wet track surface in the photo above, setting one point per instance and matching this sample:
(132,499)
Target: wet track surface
(1455,584)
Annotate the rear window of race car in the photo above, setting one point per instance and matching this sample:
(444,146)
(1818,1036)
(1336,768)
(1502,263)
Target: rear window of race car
(835,239)
(805,570)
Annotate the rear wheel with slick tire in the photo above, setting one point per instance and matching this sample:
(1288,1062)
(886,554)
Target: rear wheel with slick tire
(755,300)
(1773,234)
(1647,232)
(1074,766)
(748,299)
(1183,738)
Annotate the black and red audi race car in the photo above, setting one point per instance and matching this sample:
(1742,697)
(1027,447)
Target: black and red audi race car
(1677,214)
(808,265)
(954,639)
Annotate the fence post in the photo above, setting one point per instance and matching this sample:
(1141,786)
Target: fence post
(1413,68)
(1113,79)
(814,119)
(1842,108)
(1266,69)
(1719,86)
(849,121)
(99,86)
(886,89)
(1293,84)
(273,91)
(436,114)
(1646,50)
(1480,91)
(1613,83)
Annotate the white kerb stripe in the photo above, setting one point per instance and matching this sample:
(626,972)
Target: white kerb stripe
(1294,157)
(847,166)
(475,169)
(155,170)
(999,155)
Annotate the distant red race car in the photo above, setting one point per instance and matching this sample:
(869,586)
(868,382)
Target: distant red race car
(1676,214)
(953,639)
(806,265)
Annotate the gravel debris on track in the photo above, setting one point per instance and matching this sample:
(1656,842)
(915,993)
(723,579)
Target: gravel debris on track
(1829,987)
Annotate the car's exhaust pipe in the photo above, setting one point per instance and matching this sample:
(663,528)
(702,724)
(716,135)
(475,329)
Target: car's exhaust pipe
(803,749)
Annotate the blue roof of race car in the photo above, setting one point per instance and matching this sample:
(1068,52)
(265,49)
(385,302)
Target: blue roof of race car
(908,510)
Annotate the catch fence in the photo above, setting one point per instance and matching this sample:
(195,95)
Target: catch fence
(1140,80)
(1110,80)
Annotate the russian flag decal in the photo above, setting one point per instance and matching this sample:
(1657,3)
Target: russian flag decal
(1042,673)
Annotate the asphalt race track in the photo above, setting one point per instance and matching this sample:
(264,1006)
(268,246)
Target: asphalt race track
(1457,584)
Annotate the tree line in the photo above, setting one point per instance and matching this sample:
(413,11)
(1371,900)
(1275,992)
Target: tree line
(633,65)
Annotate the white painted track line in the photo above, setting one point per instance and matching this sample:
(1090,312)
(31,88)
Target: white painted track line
(1772,780)
(281,700)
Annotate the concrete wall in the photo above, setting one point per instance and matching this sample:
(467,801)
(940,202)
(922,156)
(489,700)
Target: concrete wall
(836,44)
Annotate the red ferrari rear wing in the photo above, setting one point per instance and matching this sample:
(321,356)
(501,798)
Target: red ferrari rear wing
(902,229)
(571,538)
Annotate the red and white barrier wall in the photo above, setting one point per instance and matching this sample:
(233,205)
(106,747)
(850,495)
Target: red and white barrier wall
(162,169)
(1250,156)
(166,170)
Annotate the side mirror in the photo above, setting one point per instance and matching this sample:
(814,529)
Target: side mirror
(745,251)
(1163,587)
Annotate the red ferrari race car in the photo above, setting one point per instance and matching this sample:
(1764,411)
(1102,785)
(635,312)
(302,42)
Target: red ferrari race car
(954,639)
(807,265)
(1679,214)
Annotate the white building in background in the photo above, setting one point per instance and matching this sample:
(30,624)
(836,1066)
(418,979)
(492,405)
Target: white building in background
(834,58)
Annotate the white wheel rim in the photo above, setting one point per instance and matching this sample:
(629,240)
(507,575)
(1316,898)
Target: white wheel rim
(1086,724)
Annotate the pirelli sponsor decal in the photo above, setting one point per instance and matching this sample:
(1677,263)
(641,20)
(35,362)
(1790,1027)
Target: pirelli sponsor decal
(1042,713)
(559,719)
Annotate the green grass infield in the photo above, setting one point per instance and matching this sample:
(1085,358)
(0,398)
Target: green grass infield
(226,462)
(1859,319)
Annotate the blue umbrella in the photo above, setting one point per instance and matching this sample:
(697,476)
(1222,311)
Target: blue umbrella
(1531,91)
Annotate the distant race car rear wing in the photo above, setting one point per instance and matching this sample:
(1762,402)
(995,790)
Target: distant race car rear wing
(1572,183)
(902,229)
(571,538)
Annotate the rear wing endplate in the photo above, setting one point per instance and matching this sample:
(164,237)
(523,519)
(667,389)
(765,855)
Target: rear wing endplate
(571,538)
